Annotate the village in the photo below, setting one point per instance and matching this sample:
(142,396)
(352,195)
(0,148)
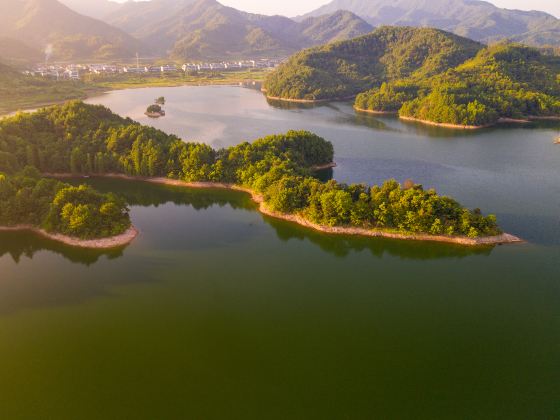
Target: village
(78,71)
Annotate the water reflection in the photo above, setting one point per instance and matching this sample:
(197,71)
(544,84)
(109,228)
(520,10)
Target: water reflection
(148,195)
(27,244)
(341,246)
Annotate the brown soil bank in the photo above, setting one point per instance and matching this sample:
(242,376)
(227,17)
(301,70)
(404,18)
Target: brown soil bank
(102,243)
(337,230)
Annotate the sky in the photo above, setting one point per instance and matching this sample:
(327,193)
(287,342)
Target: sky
(298,7)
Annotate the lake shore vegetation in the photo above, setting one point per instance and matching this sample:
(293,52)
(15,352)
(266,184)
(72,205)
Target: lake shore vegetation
(85,139)
(30,201)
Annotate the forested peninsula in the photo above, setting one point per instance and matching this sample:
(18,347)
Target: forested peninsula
(429,76)
(78,139)
(77,216)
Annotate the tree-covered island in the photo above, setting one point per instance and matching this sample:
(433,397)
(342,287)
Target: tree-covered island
(84,139)
(427,75)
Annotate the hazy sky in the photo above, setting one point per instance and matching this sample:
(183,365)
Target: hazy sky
(297,7)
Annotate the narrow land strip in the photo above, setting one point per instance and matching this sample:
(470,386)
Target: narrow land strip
(336,230)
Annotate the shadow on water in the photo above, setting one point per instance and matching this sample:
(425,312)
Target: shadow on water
(343,245)
(21,244)
(28,244)
(292,106)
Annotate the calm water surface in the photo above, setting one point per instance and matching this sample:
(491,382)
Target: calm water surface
(219,312)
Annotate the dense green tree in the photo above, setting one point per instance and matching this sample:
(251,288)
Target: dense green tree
(28,199)
(86,139)
(502,81)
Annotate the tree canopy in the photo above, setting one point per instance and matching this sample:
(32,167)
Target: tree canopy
(88,139)
(502,81)
(347,68)
(28,199)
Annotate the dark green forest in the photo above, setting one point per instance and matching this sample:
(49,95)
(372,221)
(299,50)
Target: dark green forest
(86,139)
(426,74)
(502,81)
(28,199)
(347,68)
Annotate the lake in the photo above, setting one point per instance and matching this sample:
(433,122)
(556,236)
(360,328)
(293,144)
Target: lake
(217,311)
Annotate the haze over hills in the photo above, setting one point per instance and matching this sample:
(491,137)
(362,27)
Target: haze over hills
(97,9)
(38,23)
(478,20)
(204,29)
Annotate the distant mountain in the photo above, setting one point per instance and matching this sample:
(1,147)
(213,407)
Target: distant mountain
(97,9)
(205,29)
(349,67)
(68,35)
(338,26)
(473,19)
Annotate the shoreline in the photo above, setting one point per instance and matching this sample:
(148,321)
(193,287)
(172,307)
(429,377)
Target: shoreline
(447,125)
(318,168)
(503,120)
(99,90)
(308,101)
(372,112)
(154,114)
(504,238)
(102,243)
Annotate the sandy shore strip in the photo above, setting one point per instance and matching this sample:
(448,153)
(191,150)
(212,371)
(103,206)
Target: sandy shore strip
(372,112)
(337,230)
(102,243)
(503,120)
(309,101)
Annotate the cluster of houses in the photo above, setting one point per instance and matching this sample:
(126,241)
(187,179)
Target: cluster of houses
(76,71)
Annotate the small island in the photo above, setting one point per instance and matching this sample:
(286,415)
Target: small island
(76,216)
(155,111)
(277,170)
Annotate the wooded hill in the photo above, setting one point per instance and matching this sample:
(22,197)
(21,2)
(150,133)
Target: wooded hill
(206,29)
(502,81)
(349,67)
(426,74)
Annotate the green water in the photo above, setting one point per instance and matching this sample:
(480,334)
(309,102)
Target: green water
(219,312)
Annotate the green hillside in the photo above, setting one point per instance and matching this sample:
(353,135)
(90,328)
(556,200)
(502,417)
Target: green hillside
(69,35)
(502,81)
(207,30)
(349,67)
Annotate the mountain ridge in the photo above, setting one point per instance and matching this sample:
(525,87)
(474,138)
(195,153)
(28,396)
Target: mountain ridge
(39,23)
(197,29)
(478,20)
